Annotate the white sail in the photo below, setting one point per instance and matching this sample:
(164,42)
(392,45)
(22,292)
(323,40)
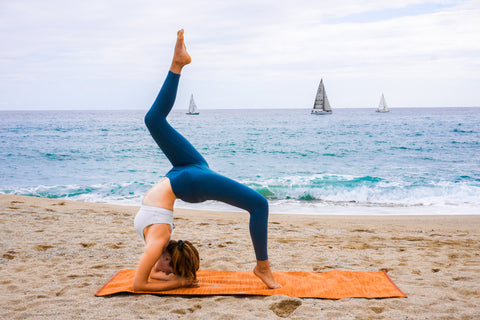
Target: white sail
(382,106)
(321,104)
(192,108)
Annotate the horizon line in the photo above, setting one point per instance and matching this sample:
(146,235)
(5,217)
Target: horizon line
(240,108)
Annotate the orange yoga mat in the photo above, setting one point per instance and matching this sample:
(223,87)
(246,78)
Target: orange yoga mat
(333,284)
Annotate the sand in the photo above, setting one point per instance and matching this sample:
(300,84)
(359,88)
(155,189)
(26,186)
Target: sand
(55,254)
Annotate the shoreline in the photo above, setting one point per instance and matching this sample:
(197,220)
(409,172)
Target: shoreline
(299,208)
(57,253)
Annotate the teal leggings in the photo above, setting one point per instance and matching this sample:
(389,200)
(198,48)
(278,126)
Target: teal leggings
(191,178)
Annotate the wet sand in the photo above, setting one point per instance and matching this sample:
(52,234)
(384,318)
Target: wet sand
(55,254)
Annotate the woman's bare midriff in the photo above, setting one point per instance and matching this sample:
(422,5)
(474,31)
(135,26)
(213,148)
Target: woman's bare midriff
(160,195)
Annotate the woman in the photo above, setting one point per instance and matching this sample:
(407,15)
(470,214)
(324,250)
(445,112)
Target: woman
(191,180)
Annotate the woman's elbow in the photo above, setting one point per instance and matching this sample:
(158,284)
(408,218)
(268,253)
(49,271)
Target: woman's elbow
(138,286)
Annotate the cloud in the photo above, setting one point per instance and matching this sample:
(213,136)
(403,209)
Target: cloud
(263,53)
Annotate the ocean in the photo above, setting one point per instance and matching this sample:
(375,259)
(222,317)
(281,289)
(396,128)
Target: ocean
(355,161)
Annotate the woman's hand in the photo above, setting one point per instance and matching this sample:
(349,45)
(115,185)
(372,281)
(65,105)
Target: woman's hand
(184,282)
(188,283)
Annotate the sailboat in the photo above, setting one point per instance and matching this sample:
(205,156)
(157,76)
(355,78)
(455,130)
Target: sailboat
(192,108)
(382,106)
(321,105)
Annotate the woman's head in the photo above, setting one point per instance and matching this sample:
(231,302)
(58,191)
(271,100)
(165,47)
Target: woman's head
(185,260)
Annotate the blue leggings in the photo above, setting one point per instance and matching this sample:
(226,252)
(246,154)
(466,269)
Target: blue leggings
(191,178)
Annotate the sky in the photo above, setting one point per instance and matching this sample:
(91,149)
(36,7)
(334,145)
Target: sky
(94,54)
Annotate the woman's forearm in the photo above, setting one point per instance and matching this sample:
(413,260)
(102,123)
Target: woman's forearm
(153,286)
(160,275)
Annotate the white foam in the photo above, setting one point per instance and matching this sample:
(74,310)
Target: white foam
(334,198)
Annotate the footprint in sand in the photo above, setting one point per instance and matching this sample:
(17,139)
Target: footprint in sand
(285,307)
(117,245)
(188,310)
(41,247)
(377,309)
(362,230)
(10,255)
(87,245)
(322,268)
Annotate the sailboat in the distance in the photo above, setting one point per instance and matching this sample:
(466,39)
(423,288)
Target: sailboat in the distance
(192,108)
(382,106)
(321,105)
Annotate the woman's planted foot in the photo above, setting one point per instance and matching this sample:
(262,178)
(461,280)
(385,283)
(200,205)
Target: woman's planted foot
(263,271)
(180,56)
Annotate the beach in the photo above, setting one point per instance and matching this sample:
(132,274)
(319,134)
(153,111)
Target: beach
(56,253)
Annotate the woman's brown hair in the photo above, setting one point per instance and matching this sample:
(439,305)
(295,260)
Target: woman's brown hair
(185,259)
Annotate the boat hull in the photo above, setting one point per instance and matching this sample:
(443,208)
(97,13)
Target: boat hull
(321,112)
(193,113)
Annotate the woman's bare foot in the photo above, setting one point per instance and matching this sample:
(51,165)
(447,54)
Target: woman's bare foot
(180,56)
(263,271)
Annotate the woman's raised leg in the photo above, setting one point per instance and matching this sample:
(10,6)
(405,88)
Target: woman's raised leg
(178,150)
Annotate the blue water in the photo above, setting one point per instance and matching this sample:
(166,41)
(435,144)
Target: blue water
(417,160)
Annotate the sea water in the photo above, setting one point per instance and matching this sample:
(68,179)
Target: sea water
(355,161)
